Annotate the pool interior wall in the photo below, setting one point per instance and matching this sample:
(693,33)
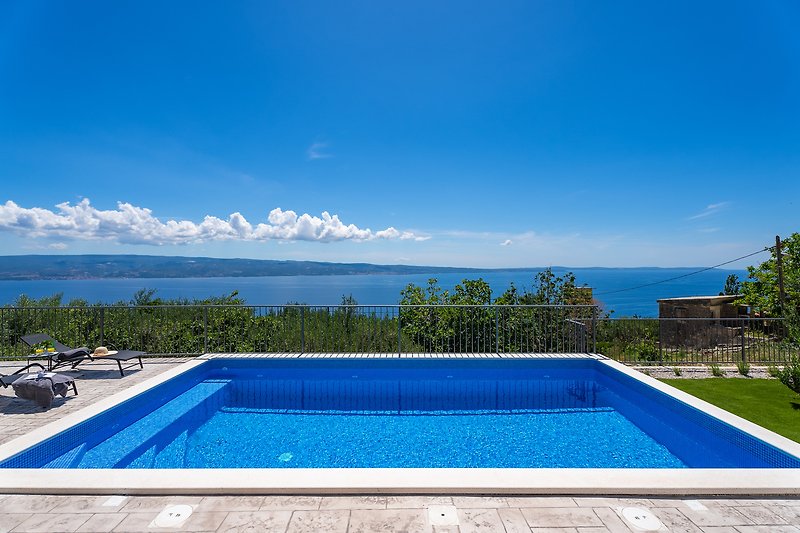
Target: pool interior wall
(312,413)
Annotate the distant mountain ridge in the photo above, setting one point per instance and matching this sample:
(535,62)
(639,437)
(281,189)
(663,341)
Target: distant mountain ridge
(34,267)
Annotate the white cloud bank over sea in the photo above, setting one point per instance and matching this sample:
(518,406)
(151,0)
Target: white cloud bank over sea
(129,224)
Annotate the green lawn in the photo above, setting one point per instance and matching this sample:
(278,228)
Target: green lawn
(767,402)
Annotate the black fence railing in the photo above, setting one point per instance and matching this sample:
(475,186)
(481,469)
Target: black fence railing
(195,329)
(424,329)
(675,341)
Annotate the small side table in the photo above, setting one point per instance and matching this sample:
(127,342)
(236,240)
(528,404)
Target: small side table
(35,357)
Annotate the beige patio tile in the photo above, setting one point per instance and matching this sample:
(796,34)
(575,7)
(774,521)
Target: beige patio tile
(138,522)
(290,503)
(87,504)
(611,520)
(395,520)
(768,502)
(156,504)
(50,522)
(540,501)
(416,502)
(255,521)
(230,503)
(789,513)
(562,530)
(715,503)
(590,530)
(720,516)
(23,503)
(353,502)
(479,502)
(319,521)
(675,520)
(583,501)
(719,529)
(759,514)
(768,529)
(677,503)
(101,523)
(513,521)
(9,521)
(445,529)
(479,520)
(561,517)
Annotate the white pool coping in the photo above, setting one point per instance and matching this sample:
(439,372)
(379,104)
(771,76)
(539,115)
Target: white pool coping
(614,481)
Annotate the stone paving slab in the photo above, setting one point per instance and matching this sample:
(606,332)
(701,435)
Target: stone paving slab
(349,514)
(32,513)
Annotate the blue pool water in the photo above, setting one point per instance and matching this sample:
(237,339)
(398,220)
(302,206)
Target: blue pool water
(237,413)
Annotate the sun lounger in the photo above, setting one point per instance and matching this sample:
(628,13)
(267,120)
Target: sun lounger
(122,356)
(41,387)
(7,379)
(66,356)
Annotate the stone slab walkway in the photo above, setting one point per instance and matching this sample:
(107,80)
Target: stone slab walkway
(363,514)
(21,513)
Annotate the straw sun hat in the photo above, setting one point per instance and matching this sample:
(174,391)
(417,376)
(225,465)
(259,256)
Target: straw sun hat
(101,351)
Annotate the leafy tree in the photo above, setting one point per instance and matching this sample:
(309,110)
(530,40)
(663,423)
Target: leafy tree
(549,289)
(760,290)
(145,297)
(476,327)
(732,286)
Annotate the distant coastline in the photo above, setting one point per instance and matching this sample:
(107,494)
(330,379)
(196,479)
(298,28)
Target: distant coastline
(87,267)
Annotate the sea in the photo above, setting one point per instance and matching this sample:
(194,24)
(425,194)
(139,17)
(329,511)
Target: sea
(620,291)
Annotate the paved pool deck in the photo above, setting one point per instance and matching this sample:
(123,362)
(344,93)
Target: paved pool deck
(363,513)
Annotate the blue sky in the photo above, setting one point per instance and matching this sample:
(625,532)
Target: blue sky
(449,133)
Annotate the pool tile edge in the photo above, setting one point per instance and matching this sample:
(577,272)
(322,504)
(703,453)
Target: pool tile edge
(752,482)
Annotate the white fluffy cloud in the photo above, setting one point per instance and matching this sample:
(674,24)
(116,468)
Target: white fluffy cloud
(130,224)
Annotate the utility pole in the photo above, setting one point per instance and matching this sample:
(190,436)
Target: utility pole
(779,265)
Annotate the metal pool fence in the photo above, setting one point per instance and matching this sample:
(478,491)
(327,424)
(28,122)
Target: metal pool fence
(402,329)
(674,341)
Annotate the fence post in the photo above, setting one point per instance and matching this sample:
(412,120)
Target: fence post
(205,329)
(744,354)
(302,330)
(102,326)
(399,333)
(594,329)
(496,330)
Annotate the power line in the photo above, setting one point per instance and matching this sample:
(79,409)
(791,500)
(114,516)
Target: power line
(765,249)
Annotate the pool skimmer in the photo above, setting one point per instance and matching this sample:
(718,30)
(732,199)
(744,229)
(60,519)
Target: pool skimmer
(442,515)
(172,516)
(641,519)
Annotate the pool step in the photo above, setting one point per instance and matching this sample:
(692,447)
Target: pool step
(145,460)
(69,459)
(123,448)
(173,454)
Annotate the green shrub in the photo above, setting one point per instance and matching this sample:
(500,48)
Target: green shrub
(716,371)
(646,350)
(790,375)
(743,367)
(773,371)
(677,370)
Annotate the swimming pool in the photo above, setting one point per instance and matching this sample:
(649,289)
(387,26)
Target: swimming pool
(414,415)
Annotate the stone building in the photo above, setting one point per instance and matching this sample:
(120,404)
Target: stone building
(681,325)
